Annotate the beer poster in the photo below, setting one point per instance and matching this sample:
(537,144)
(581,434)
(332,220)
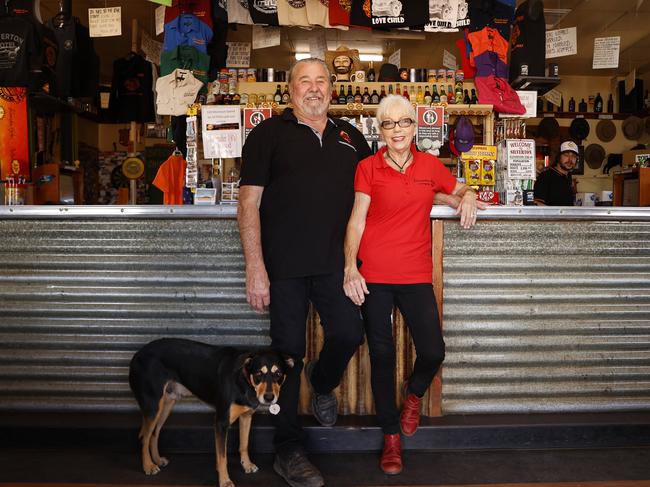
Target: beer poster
(14,148)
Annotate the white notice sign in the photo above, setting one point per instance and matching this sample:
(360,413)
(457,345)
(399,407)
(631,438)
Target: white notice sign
(105,22)
(520,156)
(160,20)
(528,99)
(448,60)
(395,58)
(606,51)
(554,96)
(221,131)
(265,36)
(561,42)
(239,54)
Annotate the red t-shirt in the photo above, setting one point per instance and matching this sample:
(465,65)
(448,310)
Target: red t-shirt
(201,8)
(396,243)
(340,12)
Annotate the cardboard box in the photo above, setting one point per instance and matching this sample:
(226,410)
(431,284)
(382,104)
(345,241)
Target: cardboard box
(605,197)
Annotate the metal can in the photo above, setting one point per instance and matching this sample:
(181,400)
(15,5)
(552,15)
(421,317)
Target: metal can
(460,75)
(440,75)
(270,75)
(451,75)
(422,75)
(412,76)
(553,70)
(523,70)
(431,75)
(251,75)
(242,75)
(223,80)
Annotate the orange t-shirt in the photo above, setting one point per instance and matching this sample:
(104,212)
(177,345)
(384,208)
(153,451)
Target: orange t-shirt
(170,179)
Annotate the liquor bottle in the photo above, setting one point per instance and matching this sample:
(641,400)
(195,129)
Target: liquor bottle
(390,89)
(335,97)
(443,97)
(561,109)
(374,98)
(474,98)
(427,95)
(420,96)
(412,95)
(398,90)
(610,104)
(459,92)
(350,97)
(598,104)
(582,106)
(236,99)
(451,97)
(405,93)
(357,95)
(277,97)
(371,73)
(466,99)
(285,94)
(365,99)
(382,93)
(435,96)
(572,105)
(342,95)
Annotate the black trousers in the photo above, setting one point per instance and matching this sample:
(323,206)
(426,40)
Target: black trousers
(418,306)
(343,333)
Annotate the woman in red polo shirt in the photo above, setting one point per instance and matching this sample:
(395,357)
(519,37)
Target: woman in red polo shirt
(388,262)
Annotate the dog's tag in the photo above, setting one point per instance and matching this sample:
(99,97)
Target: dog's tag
(274,409)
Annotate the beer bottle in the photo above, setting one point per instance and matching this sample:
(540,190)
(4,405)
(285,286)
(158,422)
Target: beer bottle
(572,105)
(350,97)
(405,93)
(451,97)
(474,98)
(382,93)
(365,99)
(420,96)
(285,94)
(357,95)
(466,99)
(342,95)
(598,104)
(435,95)
(371,73)
(427,95)
(610,104)
(277,97)
(374,98)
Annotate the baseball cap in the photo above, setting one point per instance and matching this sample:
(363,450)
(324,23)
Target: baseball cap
(464,134)
(569,146)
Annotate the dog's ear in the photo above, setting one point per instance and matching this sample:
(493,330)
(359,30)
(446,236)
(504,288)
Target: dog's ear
(288,360)
(243,361)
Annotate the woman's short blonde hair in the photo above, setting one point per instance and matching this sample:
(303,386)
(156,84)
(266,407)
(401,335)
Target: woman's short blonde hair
(395,103)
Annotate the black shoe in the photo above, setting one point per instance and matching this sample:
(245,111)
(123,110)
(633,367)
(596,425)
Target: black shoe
(294,467)
(324,406)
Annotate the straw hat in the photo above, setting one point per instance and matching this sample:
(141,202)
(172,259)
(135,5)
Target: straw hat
(594,155)
(606,130)
(633,128)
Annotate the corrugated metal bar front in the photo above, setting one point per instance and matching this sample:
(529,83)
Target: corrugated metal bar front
(79,296)
(546,317)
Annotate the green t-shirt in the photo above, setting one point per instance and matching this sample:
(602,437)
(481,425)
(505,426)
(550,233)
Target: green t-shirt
(186,57)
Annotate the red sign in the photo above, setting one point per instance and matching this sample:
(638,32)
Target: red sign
(430,133)
(14,148)
(253,117)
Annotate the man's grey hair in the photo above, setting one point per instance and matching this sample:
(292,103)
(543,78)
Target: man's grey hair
(395,103)
(313,60)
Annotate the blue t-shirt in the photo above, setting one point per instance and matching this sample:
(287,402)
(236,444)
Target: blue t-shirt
(187,30)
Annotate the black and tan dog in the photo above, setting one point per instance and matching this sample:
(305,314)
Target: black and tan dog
(235,383)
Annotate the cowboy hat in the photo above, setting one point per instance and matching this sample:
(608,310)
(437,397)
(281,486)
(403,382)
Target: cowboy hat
(353,54)
(594,155)
(548,128)
(606,130)
(632,128)
(579,129)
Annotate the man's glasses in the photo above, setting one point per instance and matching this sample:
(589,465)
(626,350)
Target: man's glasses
(402,122)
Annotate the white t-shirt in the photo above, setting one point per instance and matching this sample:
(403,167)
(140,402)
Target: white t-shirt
(318,12)
(292,12)
(238,12)
(176,92)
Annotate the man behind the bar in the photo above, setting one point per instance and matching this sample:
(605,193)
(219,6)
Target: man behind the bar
(296,194)
(553,186)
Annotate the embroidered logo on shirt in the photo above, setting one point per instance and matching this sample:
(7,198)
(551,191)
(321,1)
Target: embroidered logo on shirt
(296,3)
(266,6)
(346,5)
(344,135)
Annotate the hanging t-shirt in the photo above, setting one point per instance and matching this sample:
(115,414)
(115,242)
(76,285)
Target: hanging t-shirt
(339,12)
(176,92)
(185,57)
(292,12)
(219,10)
(238,12)
(18,52)
(132,90)
(443,16)
(487,39)
(201,8)
(462,19)
(170,179)
(528,39)
(187,30)
(491,13)
(399,13)
(463,50)
(361,13)
(318,12)
(264,11)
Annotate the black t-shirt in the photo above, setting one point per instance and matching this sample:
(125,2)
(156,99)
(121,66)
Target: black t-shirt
(491,13)
(132,90)
(220,10)
(553,188)
(406,13)
(19,51)
(264,11)
(361,13)
(528,39)
(308,192)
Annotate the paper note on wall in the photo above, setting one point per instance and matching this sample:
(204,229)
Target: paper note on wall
(105,22)
(561,42)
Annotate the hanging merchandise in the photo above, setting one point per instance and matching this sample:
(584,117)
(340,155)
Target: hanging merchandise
(170,179)
(339,12)
(491,13)
(361,13)
(465,48)
(186,57)
(263,11)
(443,16)
(187,30)
(292,12)
(202,9)
(19,50)
(398,13)
(132,90)
(318,12)
(528,40)
(176,92)
(238,12)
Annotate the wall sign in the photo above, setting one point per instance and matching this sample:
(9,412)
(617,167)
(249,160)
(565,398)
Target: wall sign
(561,42)
(606,51)
(105,22)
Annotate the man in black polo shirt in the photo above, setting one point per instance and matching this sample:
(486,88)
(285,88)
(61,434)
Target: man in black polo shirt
(553,187)
(295,198)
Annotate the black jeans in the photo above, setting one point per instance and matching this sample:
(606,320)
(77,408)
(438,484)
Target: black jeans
(343,333)
(418,306)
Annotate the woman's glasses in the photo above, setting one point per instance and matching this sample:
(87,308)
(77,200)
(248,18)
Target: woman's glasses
(402,122)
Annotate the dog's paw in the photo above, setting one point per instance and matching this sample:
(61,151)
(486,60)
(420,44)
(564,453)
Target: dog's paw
(151,469)
(164,461)
(249,467)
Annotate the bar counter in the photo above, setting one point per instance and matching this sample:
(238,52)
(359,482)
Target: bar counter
(544,309)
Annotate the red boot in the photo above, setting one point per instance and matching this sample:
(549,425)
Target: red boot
(391,457)
(410,417)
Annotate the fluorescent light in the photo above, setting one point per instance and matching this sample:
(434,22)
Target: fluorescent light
(371,57)
(362,57)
